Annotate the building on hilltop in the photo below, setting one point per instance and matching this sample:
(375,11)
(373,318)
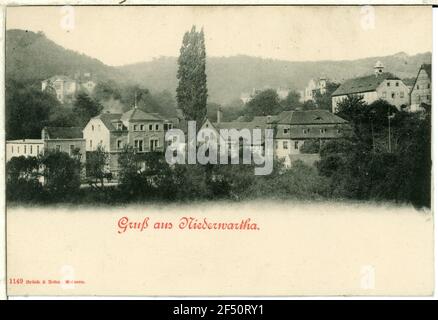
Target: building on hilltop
(313,87)
(66,88)
(380,85)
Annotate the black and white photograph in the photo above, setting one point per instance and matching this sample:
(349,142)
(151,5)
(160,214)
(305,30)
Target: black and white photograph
(287,148)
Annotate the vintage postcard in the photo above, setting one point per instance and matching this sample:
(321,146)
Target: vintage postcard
(218,150)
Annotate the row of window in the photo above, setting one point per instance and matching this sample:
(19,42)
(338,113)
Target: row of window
(71,149)
(142,127)
(417,98)
(285,145)
(388,84)
(393,94)
(25,149)
(424,87)
(30,149)
(307,131)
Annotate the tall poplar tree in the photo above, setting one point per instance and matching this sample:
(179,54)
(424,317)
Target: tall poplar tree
(191,93)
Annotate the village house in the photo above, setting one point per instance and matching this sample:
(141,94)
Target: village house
(62,139)
(142,131)
(294,128)
(66,88)
(421,91)
(313,87)
(380,85)
(291,130)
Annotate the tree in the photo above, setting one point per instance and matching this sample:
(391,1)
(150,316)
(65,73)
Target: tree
(264,103)
(22,182)
(96,166)
(191,92)
(292,101)
(27,110)
(62,174)
(85,108)
(324,101)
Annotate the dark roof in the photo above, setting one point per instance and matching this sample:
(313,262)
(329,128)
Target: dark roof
(136,114)
(308,117)
(428,68)
(108,118)
(64,132)
(363,84)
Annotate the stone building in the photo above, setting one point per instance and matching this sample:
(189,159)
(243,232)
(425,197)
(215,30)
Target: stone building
(380,85)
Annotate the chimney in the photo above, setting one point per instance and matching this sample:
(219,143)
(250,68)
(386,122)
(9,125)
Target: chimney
(219,115)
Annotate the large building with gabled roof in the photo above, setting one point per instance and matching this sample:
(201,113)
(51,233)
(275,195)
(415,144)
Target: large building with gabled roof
(421,92)
(380,85)
(143,131)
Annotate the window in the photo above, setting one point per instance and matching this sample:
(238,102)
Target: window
(169,126)
(285,131)
(119,126)
(38,149)
(306,131)
(157,127)
(428,86)
(31,151)
(388,84)
(18,150)
(393,95)
(297,145)
(98,127)
(396,84)
(58,147)
(119,144)
(153,144)
(428,97)
(284,144)
(323,130)
(150,127)
(276,144)
(402,94)
(25,150)
(384,94)
(72,149)
(92,128)
(138,144)
(418,86)
(12,149)
(135,127)
(91,143)
(142,127)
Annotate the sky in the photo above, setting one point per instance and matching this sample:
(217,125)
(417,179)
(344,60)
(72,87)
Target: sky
(125,35)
